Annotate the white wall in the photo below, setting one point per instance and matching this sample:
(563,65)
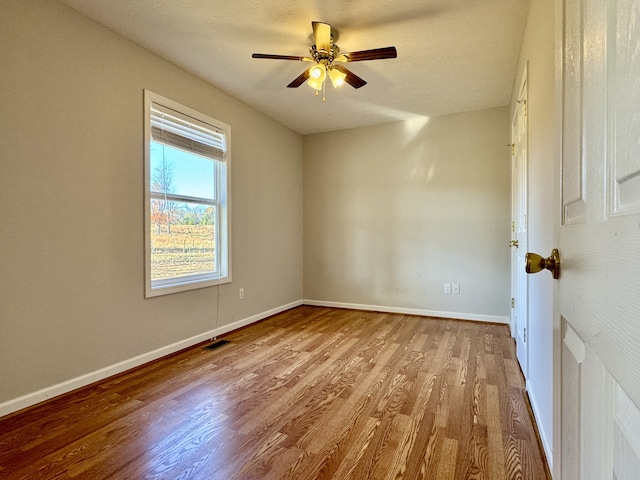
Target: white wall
(538,50)
(394,211)
(71,206)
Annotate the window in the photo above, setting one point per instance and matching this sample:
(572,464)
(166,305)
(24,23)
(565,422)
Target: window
(187,226)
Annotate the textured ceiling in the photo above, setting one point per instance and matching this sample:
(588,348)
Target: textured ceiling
(453,55)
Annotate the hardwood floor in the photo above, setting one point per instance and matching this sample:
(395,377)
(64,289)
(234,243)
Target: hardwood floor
(312,393)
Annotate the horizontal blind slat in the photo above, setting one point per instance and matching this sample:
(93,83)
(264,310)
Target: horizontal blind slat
(174,129)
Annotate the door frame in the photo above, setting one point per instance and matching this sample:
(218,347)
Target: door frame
(520,213)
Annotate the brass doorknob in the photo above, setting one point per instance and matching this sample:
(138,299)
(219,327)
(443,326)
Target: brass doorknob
(513,243)
(535,263)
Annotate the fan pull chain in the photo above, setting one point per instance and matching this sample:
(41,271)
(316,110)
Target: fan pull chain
(324,98)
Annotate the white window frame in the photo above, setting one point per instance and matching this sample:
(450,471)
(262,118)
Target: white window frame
(222,247)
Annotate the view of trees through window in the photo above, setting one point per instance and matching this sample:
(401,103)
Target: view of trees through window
(183,213)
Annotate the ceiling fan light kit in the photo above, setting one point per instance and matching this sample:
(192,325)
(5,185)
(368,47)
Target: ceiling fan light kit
(323,54)
(337,77)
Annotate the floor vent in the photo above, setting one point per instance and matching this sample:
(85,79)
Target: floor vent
(216,344)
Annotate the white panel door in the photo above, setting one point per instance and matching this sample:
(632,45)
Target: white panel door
(599,287)
(519,243)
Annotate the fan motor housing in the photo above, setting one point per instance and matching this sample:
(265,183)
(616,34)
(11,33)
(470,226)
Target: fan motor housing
(322,56)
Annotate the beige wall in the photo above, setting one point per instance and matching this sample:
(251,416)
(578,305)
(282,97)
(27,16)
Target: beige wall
(391,212)
(71,203)
(538,51)
(394,211)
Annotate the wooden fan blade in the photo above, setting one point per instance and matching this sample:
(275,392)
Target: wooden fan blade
(303,77)
(277,57)
(375,54)
(322,35)
(351,78)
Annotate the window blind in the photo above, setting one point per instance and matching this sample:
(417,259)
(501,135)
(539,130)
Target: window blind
(180,131)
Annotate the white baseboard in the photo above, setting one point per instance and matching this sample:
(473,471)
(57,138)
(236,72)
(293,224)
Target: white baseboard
(544,438)
(411,311)
(30,399)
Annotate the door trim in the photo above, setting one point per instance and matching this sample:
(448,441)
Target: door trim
(519,215)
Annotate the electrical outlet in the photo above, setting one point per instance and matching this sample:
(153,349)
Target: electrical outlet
(455,288)
(447,288)
(241,293)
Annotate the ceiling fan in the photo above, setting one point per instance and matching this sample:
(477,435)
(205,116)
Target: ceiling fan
(327,61)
